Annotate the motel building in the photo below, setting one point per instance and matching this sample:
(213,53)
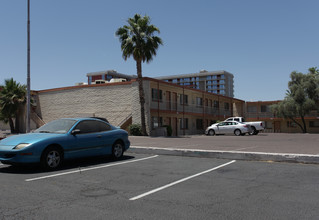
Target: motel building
(186,109)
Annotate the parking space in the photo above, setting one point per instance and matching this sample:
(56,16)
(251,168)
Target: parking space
(161,187)
(263,142)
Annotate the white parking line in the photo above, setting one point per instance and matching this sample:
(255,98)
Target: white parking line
(180,181)
(87,169)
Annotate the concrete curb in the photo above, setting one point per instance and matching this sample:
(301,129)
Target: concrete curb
(232,155)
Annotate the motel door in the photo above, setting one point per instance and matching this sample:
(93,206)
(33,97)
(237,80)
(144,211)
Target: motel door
(168,100)
(174,99)
(277,126)
(174,127)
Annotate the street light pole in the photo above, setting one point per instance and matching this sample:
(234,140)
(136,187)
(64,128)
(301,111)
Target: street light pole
(28,73)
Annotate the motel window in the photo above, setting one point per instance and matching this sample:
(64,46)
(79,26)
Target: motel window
(156,95)
(199,124)
(157,122)
(251,108)
(268,124)
(226,106)
(264,108)
(183,99)
(313,124)
(199,101)
(216,104)
(291,124)
(183,123)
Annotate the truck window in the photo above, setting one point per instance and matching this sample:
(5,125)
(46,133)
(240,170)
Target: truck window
(236,119)
(243,120)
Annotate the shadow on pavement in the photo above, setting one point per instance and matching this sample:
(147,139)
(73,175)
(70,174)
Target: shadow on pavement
(67,165)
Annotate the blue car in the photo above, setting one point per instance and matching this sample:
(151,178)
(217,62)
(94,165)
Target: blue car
(64,139)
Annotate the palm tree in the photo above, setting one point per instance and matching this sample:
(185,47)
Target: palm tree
(138,40)
(12,96)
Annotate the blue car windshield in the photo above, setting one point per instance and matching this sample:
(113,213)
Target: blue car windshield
(60,126)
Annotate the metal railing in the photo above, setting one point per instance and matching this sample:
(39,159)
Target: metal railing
(259,115)
(266,115)
(189,108)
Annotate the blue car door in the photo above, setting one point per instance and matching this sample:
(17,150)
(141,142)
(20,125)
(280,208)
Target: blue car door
(89,139)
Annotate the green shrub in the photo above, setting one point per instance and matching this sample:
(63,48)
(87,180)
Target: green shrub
(135,130)
(169,130)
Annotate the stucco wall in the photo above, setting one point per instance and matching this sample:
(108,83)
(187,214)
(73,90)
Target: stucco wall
(111,102)
(4,126)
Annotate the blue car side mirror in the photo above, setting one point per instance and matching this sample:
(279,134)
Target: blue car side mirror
(76,131)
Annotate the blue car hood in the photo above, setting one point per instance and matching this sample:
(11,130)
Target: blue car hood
(27,138)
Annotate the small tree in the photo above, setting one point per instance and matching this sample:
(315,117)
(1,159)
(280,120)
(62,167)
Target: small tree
(302,97)
(12,96)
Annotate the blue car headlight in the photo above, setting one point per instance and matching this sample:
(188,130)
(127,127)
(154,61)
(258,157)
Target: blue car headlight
(20,146)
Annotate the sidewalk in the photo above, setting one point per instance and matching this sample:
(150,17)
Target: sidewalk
(4,134)
(298,148)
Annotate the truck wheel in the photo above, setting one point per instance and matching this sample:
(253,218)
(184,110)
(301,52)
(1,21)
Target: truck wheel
(253,131)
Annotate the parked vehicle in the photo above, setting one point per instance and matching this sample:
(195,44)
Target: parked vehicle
(64,139)
(231,127)
(256,126)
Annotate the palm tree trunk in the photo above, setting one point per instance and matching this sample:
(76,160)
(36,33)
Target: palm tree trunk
(141,95)
(11,125)
(17,122)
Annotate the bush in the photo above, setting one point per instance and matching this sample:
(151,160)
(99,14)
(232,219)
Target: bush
(169,130)
(135,130)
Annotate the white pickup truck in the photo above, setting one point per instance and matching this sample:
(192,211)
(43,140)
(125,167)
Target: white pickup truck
(256,126)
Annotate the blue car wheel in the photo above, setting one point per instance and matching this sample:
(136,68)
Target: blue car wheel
(52,158)
(117,150)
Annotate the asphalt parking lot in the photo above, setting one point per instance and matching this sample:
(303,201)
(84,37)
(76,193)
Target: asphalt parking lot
(263,142)
(161,187)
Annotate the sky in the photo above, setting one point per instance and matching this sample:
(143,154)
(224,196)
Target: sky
(260,42)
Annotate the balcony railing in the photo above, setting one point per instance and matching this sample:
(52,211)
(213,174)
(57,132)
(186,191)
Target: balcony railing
(266,115)
(259,115)
(189,108)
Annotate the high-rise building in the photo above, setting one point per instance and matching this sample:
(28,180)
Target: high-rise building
(217,82)
(107,76)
